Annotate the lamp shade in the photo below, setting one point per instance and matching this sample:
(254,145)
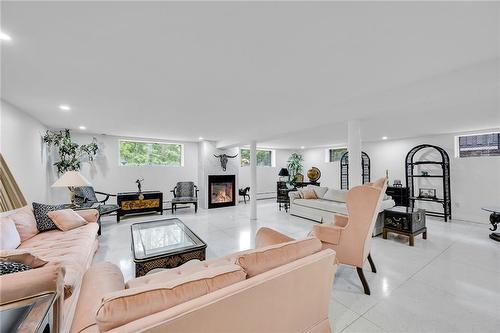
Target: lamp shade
(71,179)
(283,172)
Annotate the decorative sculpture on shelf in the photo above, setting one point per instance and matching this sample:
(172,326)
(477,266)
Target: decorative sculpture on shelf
(139,188)
(139,184)
(223,158)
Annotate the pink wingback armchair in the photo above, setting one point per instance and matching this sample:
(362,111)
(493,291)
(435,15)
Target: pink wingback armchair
(350,236)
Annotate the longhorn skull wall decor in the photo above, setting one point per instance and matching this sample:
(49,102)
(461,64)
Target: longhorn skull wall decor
(223,158)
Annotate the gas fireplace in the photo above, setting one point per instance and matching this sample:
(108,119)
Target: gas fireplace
(221,191)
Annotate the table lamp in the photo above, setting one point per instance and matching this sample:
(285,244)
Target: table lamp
(283,173)
(71,179)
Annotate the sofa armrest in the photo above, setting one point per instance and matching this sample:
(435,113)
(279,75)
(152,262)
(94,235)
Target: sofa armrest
(267,236)
(293,195)
(340,220)
(327,233)
(100,279)
(89,215)
(34,282)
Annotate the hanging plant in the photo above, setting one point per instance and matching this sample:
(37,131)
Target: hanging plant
(294,167)
(71,154)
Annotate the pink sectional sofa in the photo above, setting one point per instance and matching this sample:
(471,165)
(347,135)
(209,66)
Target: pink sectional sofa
(69,255)
(282,286)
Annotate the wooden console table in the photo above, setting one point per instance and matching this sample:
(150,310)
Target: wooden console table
(134,202)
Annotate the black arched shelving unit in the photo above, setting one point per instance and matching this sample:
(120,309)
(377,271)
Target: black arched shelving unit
(344,169)
(443,176)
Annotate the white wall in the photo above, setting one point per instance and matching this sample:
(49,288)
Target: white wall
(210,165)
(266,176)
(107,175)
(475,181)
(22,147)
(330,172)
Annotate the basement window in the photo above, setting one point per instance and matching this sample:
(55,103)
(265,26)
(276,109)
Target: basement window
(334,154)
(264,157)
(143,153)
(477,145)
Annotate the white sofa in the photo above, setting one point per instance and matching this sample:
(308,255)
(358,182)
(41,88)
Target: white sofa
(330,202)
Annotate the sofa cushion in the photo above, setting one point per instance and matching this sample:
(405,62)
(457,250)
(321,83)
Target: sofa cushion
(100,279)
(266,258)
(121,307)
(309,194)
(25,222)
(72,249)
(326,205)
(335,195)
(9,236)
(43,222)
(319,190)
(66,219)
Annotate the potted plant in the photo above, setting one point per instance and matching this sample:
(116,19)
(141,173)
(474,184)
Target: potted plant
(295,167)
(71,154)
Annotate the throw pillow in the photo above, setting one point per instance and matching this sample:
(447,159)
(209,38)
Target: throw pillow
(25,222)
(9,236)
(66,219)
(8,267)
(43,222)
(23,257)
(309,194)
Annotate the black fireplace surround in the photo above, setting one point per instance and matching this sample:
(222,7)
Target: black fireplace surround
(221,191)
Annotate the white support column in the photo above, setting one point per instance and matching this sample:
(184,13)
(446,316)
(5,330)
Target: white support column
(354,149)
(253,180)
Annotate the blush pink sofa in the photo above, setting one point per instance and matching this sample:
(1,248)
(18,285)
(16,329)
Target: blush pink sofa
(283,285)
(69,255)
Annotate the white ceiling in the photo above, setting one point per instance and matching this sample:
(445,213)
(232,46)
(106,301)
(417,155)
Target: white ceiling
(286,74)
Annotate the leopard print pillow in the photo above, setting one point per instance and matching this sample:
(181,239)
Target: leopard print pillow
(43,222)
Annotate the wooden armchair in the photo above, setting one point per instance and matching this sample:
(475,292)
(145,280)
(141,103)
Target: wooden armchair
(350,236)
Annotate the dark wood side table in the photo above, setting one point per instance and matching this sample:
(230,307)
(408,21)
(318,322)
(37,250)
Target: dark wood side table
(135,202)
(405,221)
(31,315)
(400,195)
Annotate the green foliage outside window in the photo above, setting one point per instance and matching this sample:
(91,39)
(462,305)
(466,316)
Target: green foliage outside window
(136,153)
(336,154)
(264,157)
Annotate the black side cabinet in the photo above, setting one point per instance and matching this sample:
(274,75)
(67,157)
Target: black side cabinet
(406,221)
(400,195)
(134,202)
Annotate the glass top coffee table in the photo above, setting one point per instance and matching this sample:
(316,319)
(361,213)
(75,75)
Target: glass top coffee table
(165,243)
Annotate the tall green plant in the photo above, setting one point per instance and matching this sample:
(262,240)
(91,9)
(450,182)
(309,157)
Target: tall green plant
(295,166)
(71,154)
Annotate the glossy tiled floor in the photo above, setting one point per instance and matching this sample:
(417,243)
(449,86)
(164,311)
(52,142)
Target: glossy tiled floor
(447,283)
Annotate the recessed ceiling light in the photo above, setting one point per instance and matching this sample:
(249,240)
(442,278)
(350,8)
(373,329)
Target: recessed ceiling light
(302,147)
(4,36)
(384,138)
(64,107)
(83,128)
(200,138)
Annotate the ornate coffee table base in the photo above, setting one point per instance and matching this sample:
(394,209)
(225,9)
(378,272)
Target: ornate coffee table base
(168,261)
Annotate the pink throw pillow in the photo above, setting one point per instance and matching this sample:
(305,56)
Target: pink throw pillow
(9,236)
(66,219)
(25,222)
(309,194)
